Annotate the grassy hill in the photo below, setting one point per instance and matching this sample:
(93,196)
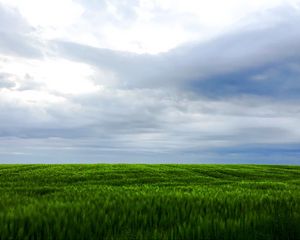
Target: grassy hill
(149,202)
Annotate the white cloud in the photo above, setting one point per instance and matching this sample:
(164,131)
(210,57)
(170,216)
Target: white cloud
(47,14)
(62,76)
(139,26)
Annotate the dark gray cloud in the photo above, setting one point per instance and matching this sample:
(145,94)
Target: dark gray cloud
(278,80)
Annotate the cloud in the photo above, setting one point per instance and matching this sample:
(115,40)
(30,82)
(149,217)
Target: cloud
(15,35)
(159,26)
(5,81)
(145,122)
(231,95)
(12,21)
(278,80)
(229,60)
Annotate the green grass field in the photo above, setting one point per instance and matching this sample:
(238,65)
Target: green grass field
(149,202)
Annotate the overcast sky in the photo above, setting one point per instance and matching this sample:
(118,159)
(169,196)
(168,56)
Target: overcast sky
(187,81)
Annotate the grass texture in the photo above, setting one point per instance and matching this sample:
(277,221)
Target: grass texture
(122,201)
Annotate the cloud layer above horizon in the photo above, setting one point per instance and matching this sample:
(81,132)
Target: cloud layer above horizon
(150,81)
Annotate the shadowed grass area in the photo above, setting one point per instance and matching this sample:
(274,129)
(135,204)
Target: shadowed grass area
(149,202)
